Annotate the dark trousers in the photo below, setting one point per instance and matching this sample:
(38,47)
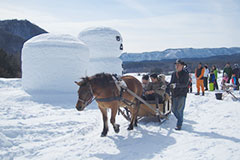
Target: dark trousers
(205,81)
(190,87)
(229,78)
(154,96)
(215,84)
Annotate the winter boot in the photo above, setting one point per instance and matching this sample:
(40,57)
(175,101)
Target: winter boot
(178,128)
(202,93)
(197,93)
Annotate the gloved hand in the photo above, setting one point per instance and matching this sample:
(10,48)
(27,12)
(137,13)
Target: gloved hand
(173,85)
(163,87)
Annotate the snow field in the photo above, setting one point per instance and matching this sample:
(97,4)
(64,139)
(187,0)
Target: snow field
(32,129)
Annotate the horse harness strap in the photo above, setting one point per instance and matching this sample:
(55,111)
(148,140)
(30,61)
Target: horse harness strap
(116,98)
(121,86)
(109,99)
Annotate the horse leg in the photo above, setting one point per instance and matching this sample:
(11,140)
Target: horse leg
(112,120)
(105,122)
(134,115)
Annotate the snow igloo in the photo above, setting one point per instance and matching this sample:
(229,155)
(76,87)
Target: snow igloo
(51,63)
(105,45)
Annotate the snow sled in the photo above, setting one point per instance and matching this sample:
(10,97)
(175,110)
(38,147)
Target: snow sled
(228,89)
(151,109)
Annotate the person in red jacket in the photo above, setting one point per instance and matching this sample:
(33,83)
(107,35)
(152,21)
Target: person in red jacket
(199,72)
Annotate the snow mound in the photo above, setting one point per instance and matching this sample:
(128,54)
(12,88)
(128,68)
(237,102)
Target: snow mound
(51,63)
(102,41)
(105,45)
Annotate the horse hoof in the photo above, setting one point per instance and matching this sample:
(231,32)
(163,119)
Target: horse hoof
(116,128)
(103,135)
(130,128)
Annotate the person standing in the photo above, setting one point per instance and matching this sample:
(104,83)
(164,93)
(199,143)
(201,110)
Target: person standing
(190,83)
(211,81)
(228,70)
(199,72)
(215,71)
(236,72)
(179,88)
(205,77)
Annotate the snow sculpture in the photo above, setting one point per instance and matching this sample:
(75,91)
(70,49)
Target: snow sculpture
(51,63)
(105,45)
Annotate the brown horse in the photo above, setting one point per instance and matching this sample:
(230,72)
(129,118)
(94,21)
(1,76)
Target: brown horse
(102,87)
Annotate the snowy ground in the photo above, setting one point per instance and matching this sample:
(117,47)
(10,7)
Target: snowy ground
(32,129)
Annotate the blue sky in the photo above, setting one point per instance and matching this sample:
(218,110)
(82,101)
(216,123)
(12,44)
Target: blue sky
(146,25)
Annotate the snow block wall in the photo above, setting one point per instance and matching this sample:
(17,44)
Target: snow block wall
(51,63)
(105,45)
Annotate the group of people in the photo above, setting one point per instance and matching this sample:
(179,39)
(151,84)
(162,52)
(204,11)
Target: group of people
(178,88)
(231,75)
(181,84)
(205,76)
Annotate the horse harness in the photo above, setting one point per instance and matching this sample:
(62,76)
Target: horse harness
(121,86)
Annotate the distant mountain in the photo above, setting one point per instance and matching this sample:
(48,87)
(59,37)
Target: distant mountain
(13,34)
(167,65)
(10,43)
(178,53)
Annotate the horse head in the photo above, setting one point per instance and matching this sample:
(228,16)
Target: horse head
(85,94)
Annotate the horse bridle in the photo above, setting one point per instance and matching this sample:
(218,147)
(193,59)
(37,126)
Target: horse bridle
(90,100)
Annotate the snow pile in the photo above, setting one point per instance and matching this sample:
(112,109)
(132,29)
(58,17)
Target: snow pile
(51,63)
(105,45)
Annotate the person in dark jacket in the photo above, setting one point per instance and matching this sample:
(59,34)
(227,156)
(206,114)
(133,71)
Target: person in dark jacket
(179,89)
(236,70)
(215,71)
(228,70)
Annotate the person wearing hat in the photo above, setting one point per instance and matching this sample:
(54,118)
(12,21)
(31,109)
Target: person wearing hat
(199,72)
(228,70)
(179,89)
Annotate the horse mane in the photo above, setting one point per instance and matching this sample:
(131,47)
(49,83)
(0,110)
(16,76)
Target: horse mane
(102,79)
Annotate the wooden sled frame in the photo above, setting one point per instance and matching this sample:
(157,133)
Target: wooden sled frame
(228,90)
(150,109)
